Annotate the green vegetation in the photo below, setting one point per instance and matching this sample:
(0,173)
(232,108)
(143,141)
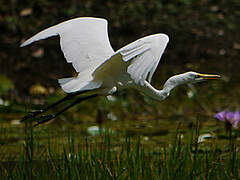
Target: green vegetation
(120,157)
(137,137)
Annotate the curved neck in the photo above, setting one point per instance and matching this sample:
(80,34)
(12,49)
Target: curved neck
(160,95)
(174,81)
(152,92)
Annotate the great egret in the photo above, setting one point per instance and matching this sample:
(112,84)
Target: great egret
(101,71)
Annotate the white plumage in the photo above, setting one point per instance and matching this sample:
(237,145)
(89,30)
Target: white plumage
(85,43)
(145,54)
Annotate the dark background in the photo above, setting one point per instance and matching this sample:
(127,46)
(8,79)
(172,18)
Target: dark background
(204,36)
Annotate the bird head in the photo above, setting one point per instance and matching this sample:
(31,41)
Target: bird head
(186,78)
(194,77)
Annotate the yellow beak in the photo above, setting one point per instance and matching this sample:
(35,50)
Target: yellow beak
(209,76)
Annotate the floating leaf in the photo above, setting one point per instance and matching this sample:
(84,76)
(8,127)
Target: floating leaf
(204,137)
(5,85)
(38,90)
(38,53)
(112,116)
(26,12)
(15,122)
(94,130)
(236,45)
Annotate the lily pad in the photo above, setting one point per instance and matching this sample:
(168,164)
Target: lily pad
(38,89)
(5,85)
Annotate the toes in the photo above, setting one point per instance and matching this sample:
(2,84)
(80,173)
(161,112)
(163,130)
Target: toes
(47,117)
(32,114)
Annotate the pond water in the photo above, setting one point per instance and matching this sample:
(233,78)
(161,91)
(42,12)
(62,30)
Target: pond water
(154,134)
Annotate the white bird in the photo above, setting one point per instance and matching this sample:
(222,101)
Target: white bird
(103,71)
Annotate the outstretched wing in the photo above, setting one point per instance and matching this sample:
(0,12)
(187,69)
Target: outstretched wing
(143,56)
(84,41)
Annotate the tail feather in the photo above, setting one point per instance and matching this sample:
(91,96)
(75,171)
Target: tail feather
(75,84)
(64,80)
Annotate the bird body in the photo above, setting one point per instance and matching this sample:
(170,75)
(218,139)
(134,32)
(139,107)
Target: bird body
(85,43)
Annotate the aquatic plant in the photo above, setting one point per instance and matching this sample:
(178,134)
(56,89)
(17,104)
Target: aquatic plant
(128,159)
(230,118)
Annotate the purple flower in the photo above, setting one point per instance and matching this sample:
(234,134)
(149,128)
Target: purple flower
(221,116)
(231,118)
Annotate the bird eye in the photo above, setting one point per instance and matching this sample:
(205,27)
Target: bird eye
(197,76)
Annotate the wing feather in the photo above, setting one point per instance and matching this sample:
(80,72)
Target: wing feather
(84,41)
(144,55)
(132,50)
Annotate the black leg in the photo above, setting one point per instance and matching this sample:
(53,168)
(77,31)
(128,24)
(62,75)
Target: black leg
(46,118)
(37,112)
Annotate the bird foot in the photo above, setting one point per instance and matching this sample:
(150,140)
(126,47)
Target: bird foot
(31,115)
(45,118)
